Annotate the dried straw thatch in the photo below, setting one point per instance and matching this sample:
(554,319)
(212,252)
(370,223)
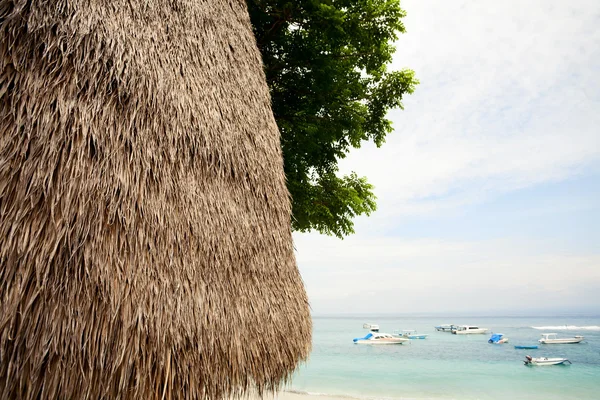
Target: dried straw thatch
(145,240)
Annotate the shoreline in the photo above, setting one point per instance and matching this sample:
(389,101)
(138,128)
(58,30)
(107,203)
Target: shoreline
(293,394)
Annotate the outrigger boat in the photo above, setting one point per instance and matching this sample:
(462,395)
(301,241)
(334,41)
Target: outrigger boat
(412,334)
(545,361)
(444,328)
(550,338)
(380,338)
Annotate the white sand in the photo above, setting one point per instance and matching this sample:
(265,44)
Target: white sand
(283,395)
(301,396)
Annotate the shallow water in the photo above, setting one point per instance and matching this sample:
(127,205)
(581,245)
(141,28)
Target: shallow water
(451,366)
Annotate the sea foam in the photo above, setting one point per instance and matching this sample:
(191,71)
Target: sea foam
(568,328)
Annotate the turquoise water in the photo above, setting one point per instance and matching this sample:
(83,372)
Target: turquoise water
(451,366)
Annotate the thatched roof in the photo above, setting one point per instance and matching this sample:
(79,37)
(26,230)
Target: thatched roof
(145,240)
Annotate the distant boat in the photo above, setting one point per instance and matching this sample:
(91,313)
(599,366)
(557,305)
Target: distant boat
(371,327)
(444,328)
(380,338)
(526,347)
(498,338)
(468,329)
(550,338)
(545,361)
(412,334)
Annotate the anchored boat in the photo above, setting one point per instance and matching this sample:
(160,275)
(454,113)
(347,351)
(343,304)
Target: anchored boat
(526,347)
(468,329)
(550,338)
(498,338)
(444,328)
(412,334)
(380,338)
(371,327)
(545,361)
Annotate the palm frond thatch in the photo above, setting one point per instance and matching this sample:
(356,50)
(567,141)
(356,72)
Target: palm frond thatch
(145,240)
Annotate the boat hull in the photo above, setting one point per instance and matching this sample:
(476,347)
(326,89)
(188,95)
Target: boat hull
(561,341)
(526,347)
(470,332)
(382,342)
(547,361)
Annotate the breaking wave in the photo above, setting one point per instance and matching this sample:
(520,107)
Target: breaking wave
(568,328)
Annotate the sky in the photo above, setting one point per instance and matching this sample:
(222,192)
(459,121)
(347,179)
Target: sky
(489,187)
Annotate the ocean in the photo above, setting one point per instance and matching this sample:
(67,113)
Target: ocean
(447,366)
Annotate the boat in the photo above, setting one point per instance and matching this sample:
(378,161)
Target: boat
(380,338)
(412,334)
(526,347)
(468,329)
(444,328)
(371,327)
(545,361)
(550,338)
(498,338)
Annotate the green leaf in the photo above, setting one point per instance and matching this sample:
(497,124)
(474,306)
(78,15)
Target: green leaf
(326,66)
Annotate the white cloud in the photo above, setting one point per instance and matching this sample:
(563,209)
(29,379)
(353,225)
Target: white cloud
(509,98)
(391,275)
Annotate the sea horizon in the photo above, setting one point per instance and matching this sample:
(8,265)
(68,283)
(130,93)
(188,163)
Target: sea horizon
(479,314)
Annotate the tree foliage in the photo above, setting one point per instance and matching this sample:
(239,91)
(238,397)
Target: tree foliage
(326,66)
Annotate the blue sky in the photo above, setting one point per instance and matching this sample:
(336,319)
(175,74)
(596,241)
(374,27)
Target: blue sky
(566,212)
(489,186)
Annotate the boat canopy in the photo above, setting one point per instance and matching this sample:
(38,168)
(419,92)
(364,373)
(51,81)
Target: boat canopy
(496,337)
(369,335)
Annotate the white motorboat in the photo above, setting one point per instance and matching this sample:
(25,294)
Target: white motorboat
(468,329)
(371,327)
(380,338)
(545,361)
(550,338)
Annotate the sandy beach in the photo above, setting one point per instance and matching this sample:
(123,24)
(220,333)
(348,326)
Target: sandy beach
(286,395)
(294,395)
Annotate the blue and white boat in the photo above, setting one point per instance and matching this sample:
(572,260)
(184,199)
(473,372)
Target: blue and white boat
(497,338)
(444,328)
(380,338)
(412,334)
